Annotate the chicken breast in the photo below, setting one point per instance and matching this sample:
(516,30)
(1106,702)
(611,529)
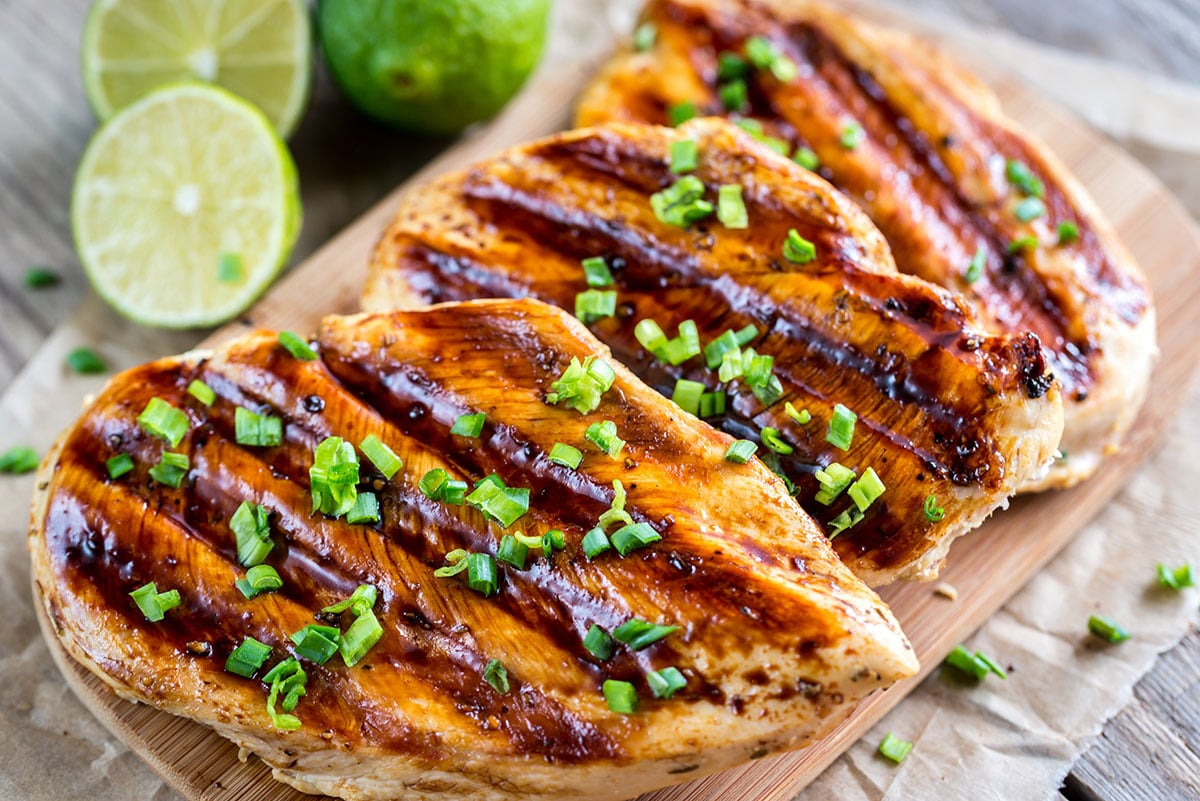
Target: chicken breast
(950,419)
(744,620)
(965,197)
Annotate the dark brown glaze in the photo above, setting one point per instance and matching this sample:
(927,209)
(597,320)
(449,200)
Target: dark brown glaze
(734,580)
(931,392)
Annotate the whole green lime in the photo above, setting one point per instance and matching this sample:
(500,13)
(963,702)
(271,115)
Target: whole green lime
(432,66)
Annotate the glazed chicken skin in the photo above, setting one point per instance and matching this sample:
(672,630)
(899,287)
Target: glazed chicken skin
(950,419)
(964,196)
(776,640)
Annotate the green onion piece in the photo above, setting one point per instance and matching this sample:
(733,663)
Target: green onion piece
(629,538)
(933,512)
(202,392)
(803,417)
(687,395)
(361,601)
(1107,629)
(834,480)
(974,270)
(599,644)
(731,209)
(155,604)
(604,436)
(734,95)
(684,156)
(894,748)
(755,129)
(846,520)
(765,54)
(333,477)
(384,458)
(433,483)
(1029,209)
(499,502)
(644,37)
(364,510)
(482,575)
(683,347)
(666,682)
(682,203)
(596,271)
(773,440)
(639,634)
(852,135)
(650,336)
(746,335)
(1020,176)
(807,158)
(1024,243)
(41,278)
(86,361)
(161,419)
(469,425)
(362,635)
(759,375)
(247,658)
(565,455)
(866,490)
(495,674)
(582,384)
(119,465)
(257,430)
(730,65)
(991,665)
(841,427)
(797,249)
(732,366)
(595,542)
(595,304)
(296,345)
(259,579)
(712,404)
(528,540)
(229,268)
(1068,232)
(554,540)
(976,665)
(171,469)
(289,679)
(616,511)
(252,532)
(19,459)
(1176,579)
(621,696)
(680,113)
(714,352)
(316,643)
(512,551)
(740,451)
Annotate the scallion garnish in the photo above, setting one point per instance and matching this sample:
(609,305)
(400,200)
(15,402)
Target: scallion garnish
(1177,578)
(644,36)
(86,361)
(933,512)
(841,427)
(1024,243)
(740,451)
(833,480)
(666,682)
(482,575)
(621,696)
(595,304)
(251,529)
(765,54)
(364,510)
(714,352)
(730,65)
(155,604)
(758,374)
(774,441)
(119,465)
(734,96)
(1029,209)
(469,425)
(1107,629)
(866,490)
(807,158)
(171,469)
(893,748)
(755,129)
(684,156)
(553,540)
(712,404)
(333,477)
(802,417)
(846,520)
(629,538)
(682,203)
(595,542)
(495,674)
(512,551)
(680,113)
(294,344)
(161,419)
(977,665)
(289,680)
(974,270)
(1068,232)
(41,278)
(599,644)
(604,436)
(499,502)
(19,459)
(596,271)
(384,458)
(259,579)
(1020,176)
(359,602)
(797,249)
(731,208)
(616,511)
(362,635)
(582,384)
(650,336)
(247,658)
(639,634)
(229,268)
(687,395)
(683,347)
(852,135)
(317,643)
(202,392)
(565,455)
(257,430)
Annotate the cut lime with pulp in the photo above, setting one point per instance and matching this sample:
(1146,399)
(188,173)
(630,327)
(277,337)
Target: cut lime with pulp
(185,207)
(258,49)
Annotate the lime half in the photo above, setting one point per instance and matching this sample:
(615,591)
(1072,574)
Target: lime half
(258,49)
(185,207)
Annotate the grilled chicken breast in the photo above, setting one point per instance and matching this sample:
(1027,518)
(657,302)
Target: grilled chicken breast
(952,420)
(776,640)
(957,188)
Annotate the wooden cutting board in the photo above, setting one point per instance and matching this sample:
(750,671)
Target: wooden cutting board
(987,567)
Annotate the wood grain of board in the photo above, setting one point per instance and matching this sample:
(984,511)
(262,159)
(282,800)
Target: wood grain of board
(987,567)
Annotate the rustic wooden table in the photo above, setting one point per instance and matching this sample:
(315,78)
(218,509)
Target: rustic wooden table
(1151,750)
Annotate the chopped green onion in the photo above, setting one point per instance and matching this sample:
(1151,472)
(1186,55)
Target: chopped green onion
(19,459)
(565,455)
(499,502)
(687,395)
(976,665)
(86,361)
(894,748)
(712,404)
(333,477)
(119,465)
(582,384)
(797,249)
(765,54)
(991,665)
(1068,232)
(364,510)
(730,65)
(247,658)
(155,604)
(684,156)
(774,441)
(680,113)
(1029,209)
(803,417)
(512,551)
(1176,579)
(604,436)
(731,209)
(714,352)
(316,643)
(596,271)
(852,135)
(747,334)
(202,392)
(595,304)
(755,129)
(846,520)
(554,540)
(666,682)
(482,575)
(933,512)
(251,528)
(384,458)
(682,203)
(361,601)
(362,635)
(650,336)
(296,345)
(639,634)
(171,469)
(807,158)
(41,278)
(599,644)
(469,425)
(595,542)
(759,375)
(616,511)
(289,679)
(629,538)
(974,270)
(683,347)
(161,419)
(229,268)
(257,430)
(834,480)
(1020,176)
(495,674)
(740,451)
(437,485)
(621,696)
(1024,243)
(841,427)
(259,579)
(734,95)
(644,37)
(1107,629)
(866,490)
